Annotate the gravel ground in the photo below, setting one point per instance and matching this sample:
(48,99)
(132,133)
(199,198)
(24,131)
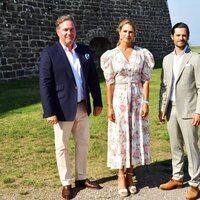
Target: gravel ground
(149,178)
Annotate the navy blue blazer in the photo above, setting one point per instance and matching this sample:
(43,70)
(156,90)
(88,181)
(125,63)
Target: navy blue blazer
(58,88)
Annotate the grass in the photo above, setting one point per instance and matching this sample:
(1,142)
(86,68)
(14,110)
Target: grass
(196,48)
(27,155)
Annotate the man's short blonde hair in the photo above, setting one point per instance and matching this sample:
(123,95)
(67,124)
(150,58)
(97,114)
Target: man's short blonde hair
(63,18)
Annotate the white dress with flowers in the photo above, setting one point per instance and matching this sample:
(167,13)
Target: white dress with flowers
(128,136)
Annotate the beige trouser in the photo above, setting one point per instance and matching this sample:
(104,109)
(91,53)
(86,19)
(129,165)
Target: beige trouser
(80,130)
(181,132)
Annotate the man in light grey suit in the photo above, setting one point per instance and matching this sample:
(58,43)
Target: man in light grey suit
(179,102)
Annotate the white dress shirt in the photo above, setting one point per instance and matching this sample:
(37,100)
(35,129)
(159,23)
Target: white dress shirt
(177,61)
(76,68)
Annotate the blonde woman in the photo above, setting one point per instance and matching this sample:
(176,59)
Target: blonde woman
(127,73)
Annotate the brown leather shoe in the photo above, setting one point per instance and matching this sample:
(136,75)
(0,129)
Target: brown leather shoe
(67,192)
(192,193)
(172,184)
(87,183)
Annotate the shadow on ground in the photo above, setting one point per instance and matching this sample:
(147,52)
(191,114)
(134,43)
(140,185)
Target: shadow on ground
(17,94)
(152,175)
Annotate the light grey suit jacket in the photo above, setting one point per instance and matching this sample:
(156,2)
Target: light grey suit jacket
(187,86)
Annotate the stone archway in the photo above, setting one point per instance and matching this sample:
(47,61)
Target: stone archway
(98,46)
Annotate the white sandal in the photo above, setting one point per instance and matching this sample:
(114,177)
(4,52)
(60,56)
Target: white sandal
(123,192)
(132,188)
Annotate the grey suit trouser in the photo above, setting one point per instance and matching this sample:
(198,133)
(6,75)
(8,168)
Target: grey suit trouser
(181,131)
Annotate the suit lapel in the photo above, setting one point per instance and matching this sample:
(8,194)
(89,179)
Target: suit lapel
(81,59)
(184,62)
(170,70)
(63,58)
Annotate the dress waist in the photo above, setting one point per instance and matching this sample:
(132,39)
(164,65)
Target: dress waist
(128,83)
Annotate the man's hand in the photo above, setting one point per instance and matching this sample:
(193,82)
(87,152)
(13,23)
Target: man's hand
(97,110)
(161,117)
(52,119)
(196,120)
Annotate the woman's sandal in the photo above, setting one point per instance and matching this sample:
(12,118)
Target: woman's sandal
(132,188)
(123,192)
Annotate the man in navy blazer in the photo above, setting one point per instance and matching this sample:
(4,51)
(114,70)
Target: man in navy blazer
(67,78)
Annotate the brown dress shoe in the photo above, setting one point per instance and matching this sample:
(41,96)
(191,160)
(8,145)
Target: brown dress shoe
(87,183)
(67,192)
(192,193)
(172,184)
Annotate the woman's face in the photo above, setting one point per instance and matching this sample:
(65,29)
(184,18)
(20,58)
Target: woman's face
(127,34)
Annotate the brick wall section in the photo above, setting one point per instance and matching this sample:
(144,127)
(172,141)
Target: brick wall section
(27,26)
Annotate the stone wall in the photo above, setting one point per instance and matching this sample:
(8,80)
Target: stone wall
(27,26)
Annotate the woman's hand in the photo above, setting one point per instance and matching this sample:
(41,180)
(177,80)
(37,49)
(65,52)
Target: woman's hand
(145,110)
(111,113)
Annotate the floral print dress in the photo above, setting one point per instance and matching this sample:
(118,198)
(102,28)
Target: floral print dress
(128,136)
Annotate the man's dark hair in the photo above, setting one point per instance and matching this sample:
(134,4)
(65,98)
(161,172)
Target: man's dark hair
(180,25)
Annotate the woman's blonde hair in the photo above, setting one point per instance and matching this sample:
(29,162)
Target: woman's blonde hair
(122,23)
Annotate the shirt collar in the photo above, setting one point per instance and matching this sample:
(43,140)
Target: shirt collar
(181,53)
(67,49)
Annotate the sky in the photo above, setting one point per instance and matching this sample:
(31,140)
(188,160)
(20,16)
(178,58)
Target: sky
(187,11)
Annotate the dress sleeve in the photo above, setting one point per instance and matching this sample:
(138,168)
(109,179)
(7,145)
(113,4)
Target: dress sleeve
(106,66)
(148,65)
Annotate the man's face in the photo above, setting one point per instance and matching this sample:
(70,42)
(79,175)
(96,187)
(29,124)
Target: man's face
(66,33)
(180,37)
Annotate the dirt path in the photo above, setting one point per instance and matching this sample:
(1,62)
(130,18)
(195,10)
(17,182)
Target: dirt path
(149,179)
